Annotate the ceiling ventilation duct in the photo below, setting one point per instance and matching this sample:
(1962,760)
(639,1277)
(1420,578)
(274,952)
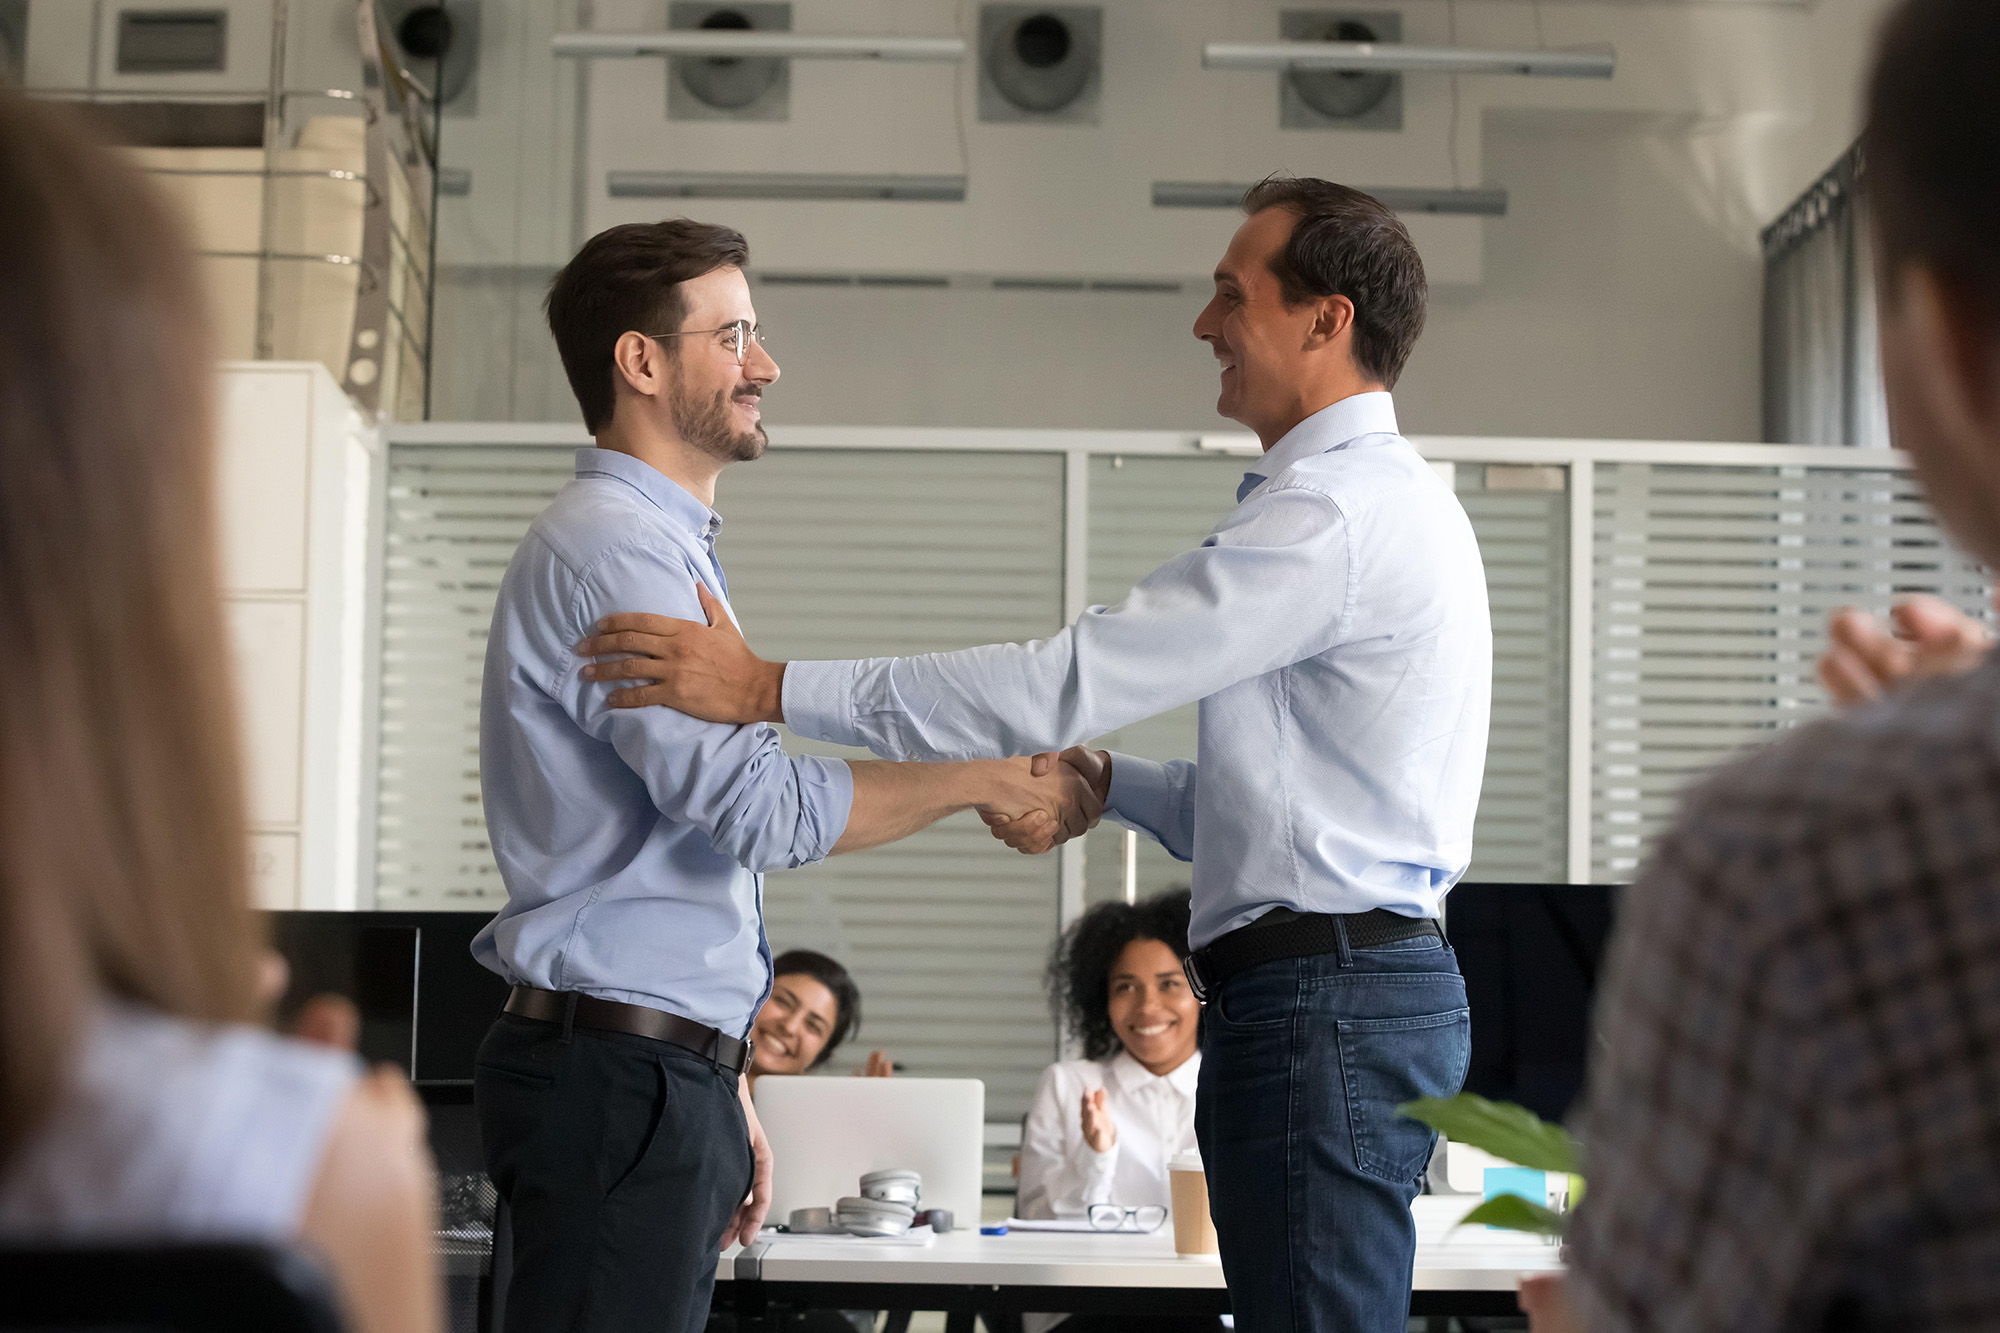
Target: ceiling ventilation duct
(1343,99)
(1040,62)
(729,87)
(440,47)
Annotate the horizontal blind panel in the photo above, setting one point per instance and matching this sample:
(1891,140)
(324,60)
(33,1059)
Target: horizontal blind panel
(1712,588)
(829,553)
(1143,512)
(1520,834)
(454,516)
(835,553)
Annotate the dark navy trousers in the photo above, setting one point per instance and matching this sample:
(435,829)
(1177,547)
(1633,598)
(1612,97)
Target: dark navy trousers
(621,1158)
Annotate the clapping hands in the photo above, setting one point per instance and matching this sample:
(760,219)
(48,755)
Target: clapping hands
(1059,797)
(1099,1131)
(1926,636)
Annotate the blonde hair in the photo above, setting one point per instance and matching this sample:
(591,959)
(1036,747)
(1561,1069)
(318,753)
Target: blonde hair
(122,853)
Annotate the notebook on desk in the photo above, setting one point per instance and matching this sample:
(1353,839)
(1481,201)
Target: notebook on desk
(827,1132)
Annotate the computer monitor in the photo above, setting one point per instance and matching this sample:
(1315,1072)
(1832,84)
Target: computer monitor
(1531,955)
(828,1132)
(425,1002)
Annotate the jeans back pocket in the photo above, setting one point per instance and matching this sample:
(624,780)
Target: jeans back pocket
(1388,1061)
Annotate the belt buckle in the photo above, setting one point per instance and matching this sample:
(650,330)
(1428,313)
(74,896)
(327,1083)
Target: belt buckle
(1193,971)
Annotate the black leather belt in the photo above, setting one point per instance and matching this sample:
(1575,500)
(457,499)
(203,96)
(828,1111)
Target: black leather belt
(554,1006)
(1300,935)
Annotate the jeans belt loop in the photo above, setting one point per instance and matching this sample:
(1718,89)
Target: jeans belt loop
(1340,941)
(1191,965)
(569,1016)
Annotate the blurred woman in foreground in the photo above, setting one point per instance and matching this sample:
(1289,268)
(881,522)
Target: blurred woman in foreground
(138,1100)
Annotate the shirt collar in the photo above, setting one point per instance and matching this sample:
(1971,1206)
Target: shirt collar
(1130,1075)
(667,496)
(1328,429)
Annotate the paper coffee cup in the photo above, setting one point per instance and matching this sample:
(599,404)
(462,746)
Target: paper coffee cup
(1194,1230)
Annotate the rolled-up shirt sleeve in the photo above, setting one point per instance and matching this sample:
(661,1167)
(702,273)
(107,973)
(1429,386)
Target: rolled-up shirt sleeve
(761,807)
(1268,588)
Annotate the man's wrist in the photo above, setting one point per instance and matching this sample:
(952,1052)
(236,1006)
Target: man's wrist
(770,692)
(986,783)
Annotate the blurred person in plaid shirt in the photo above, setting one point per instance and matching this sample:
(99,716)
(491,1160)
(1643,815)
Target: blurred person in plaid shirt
(1794,1122)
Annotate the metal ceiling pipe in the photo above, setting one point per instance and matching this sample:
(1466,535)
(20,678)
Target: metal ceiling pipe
(1388,57)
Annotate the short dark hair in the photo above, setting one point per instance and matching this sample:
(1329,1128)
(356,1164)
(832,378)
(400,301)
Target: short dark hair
(627,279)
(1931,153)
(830,974)
(1080,966)
(1347,243)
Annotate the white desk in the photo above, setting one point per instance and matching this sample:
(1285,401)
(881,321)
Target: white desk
(1470,1270)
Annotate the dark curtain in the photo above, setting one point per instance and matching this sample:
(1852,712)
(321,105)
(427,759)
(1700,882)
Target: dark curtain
(1822,364)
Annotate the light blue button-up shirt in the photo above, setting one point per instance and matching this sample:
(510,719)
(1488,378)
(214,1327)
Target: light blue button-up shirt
(1333,626)
(631,841)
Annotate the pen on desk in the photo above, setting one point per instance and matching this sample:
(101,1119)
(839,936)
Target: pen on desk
(993,1231)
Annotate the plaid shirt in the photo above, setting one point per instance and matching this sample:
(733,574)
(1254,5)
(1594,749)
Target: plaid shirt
(1794,1120)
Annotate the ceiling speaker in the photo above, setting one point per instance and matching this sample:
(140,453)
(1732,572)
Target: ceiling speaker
(1340,99)
(729,87)
(1040,62)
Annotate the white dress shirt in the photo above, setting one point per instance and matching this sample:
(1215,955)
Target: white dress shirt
(1334,627)
(1062,1175)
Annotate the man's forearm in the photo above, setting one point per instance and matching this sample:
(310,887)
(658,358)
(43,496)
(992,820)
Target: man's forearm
(892,801)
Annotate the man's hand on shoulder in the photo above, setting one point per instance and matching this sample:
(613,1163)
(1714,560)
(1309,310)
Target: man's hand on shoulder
(706,671)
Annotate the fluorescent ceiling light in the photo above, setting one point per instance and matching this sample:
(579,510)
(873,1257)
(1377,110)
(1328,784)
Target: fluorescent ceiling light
(1489,203)
(780,185)
(716,43)
(1591,63)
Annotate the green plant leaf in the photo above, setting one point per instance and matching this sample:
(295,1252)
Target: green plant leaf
(1511,1133)
(1514,1213)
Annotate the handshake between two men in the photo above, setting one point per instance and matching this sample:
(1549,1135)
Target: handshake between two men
(709,671)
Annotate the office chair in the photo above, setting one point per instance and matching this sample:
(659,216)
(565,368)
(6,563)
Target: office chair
(171,1288)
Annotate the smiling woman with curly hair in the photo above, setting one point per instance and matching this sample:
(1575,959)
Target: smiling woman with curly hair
(1103,1127)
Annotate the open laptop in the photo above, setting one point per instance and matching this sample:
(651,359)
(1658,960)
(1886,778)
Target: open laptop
(828,1132)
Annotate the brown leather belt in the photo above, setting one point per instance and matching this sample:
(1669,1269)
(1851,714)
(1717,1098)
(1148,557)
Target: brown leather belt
(587,1011)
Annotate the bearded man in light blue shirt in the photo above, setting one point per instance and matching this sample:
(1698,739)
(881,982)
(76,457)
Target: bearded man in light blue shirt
(613,1109)
(1334,628)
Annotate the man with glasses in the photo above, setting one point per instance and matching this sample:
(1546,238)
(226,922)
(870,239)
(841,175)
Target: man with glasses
(612,1107)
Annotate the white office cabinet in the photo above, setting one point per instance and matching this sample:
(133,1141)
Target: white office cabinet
(296,483)
(267,642)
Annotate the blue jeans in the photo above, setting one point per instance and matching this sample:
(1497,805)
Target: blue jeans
(1310,1169)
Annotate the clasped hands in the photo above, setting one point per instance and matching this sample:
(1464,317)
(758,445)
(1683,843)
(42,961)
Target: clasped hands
(708,671)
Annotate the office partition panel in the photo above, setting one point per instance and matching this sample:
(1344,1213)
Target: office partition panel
(1657,607)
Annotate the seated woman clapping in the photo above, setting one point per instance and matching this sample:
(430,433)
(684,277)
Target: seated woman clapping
(1102,1128)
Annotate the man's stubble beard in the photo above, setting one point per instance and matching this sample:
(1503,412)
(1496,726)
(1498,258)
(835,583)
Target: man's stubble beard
(705,424)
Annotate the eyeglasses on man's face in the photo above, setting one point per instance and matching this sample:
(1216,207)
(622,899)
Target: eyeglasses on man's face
(1114,1217)
(734,338)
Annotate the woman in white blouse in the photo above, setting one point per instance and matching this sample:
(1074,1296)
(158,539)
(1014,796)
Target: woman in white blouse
(1103,1127)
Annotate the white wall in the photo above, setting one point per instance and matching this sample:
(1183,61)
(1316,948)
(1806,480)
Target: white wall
(1619,296)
